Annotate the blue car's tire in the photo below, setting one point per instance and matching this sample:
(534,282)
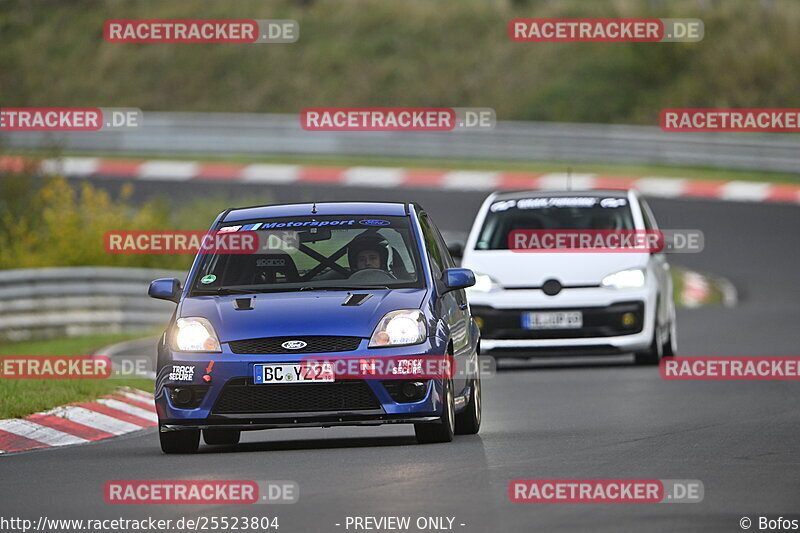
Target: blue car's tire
(468,422)
(443,430)
(222,436)
(184,441)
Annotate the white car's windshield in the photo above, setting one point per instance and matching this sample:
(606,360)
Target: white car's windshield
(552,213)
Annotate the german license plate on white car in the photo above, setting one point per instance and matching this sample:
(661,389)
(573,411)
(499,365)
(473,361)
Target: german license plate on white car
(293,373)
(553,320)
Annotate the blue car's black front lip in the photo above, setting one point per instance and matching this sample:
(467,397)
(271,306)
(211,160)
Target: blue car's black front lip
(300,420)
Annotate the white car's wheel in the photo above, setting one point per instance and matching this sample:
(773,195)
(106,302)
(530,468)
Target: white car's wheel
(670,347)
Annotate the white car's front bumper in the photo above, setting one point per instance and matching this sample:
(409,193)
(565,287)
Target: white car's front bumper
(502,332)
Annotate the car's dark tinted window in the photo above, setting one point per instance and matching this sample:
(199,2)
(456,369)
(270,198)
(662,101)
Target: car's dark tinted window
(435,255)
(447,259)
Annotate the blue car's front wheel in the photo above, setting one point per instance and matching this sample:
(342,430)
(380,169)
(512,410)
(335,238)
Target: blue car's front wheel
(468,422)
(183,441)
(443,430)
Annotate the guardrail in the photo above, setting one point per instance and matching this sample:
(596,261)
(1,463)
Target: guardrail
(66,301)
(225,134)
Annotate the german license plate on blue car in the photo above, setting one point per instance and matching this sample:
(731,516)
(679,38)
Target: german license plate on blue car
(293,373)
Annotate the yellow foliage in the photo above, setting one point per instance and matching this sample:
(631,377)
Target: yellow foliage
(64,225)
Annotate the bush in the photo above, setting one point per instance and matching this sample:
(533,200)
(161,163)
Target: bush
(48,221)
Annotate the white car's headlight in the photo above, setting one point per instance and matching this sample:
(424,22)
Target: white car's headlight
(484,283)
(399,328)
(195,334)
(625,279)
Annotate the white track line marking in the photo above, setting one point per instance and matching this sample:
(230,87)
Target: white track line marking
(168,170)
(471,180)
(271,173)
(751,191)
(148,395)
(373,176)
(138,398)
(128,408)
(94,420)
(560,180)
(39,433)
(655,186)
(71,166)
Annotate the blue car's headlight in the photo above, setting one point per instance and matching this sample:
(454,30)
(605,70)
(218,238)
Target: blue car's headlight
(195,334)
(400,328)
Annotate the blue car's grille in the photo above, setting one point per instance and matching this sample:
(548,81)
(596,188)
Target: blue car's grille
(240,395)
(314,344)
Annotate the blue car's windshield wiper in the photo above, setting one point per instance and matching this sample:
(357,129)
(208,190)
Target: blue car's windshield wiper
(225,290)
(340,288)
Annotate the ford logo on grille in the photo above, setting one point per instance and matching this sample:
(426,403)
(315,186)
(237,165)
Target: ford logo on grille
(374,222)
(294,345)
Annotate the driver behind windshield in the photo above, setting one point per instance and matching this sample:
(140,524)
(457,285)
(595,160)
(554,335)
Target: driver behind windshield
(368,251)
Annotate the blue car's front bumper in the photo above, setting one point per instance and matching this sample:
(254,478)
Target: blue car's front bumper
(237,371)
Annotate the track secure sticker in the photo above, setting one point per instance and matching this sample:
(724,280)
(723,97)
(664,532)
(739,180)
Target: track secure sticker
(211,278)
(182,373)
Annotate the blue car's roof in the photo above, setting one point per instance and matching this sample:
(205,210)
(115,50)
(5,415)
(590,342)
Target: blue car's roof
(323,208)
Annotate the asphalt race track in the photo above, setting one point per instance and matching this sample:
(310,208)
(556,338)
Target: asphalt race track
(570,420)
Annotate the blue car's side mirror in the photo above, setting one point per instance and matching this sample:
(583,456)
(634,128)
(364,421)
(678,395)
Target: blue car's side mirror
(165,289)
(457,278)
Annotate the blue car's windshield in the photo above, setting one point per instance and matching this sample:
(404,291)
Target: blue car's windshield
(315,252)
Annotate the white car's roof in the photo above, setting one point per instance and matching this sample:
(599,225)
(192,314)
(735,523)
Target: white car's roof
(605,193)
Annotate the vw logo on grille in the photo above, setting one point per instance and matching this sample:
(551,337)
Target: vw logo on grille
(551,287)
(294,345)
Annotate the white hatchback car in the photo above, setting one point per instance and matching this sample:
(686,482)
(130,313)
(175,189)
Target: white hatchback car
(545,303)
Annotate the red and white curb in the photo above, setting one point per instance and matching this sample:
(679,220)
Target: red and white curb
(79,423)
(698,289)
(386,177)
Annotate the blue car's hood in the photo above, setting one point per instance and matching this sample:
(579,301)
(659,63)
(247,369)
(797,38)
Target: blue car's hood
(299,313)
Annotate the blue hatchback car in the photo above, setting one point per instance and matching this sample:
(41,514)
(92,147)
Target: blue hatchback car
(329,281)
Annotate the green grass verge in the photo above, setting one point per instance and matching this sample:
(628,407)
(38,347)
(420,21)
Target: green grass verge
(21,397)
